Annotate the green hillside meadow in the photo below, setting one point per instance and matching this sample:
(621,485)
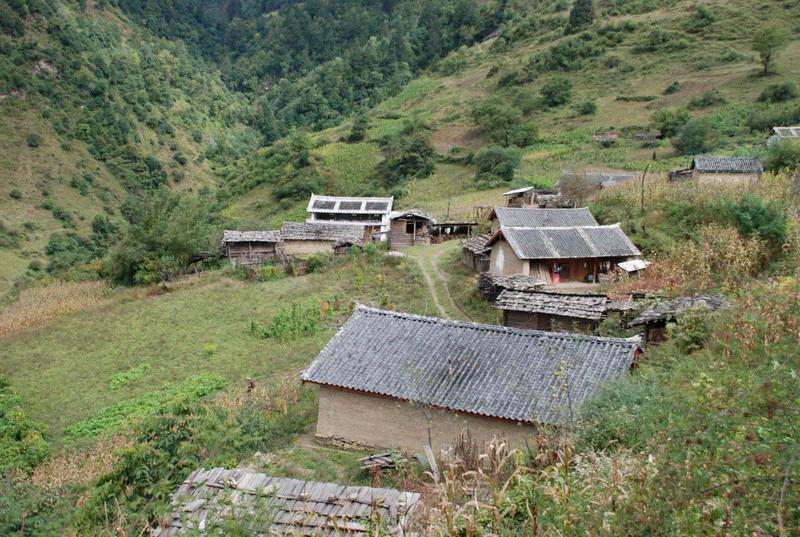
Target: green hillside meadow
(133,132)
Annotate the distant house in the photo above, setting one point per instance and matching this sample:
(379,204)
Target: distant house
(292,506)
(475,253)
(559,254)
(251,247)
(655,319)
(552,311)
(300,238)
(531,217)
(393,379)
(409,228)
(603,179)
(721,170)
(372,214)
(520,197)
(784,133)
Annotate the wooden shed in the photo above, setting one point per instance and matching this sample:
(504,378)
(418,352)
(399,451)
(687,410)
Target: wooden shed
(556,312)
(245,248)
(397,380)
(409,228)
(288,506)
(475,253)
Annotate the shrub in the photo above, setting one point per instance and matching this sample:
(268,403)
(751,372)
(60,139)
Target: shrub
(292,321)
(180,158)
(778,93)
(319,262)
(765,119)
(504,123)
(669,121)
(123,378)
(557,91)
(15,194)
(496,163)
(581,15)
(33,140)
(673,88)
(662,40)
(711,97)
(359,129)
(696,137)
(587,108)
(783,155)
(22,444)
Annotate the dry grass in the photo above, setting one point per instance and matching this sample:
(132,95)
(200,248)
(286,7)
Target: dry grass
(41,304)
(79,465)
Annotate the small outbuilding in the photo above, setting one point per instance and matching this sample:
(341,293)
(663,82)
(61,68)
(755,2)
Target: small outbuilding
(289,506)
(409,228)
(655,319)
(398,380)
(744,171)
(475,253)
(245,248)
(552,311)
(302,238)
(780,134)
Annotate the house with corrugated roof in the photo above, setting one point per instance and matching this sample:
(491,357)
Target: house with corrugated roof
(557,255)
(743,171)
(301,238)
(398,380)
(208,499)
(372,214)
(533,217)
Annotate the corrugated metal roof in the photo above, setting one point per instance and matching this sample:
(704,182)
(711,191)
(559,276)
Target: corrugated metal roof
(489,370)
(312,231)
(567,242)
(251,236)
(592,307)
(349,205)
(518,191)
(300,507)
(727,164)
(530,217)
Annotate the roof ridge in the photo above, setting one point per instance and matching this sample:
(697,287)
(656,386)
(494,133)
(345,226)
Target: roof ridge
(492,327)
(598,226)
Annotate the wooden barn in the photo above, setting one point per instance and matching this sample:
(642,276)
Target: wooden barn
(655,319)
(552,312)
(558,255)
(396,380)
(289,506)
(303,238)
(743,171)
(245,248)
(409,228)
(475,253)
(535,217)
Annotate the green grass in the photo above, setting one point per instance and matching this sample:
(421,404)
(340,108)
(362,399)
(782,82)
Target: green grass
(62,369)
(463,284)
(348,166)
(414,92)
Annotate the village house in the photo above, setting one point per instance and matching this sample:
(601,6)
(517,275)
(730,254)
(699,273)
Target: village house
(549,311)
(490,286)
(742,171)
(533,217)
(598,180)
(303,238)
(397,380)
(409,228)
(372,214)
(784,133)
(245,248)
(289,506)
(655,319)
(475,253)
(556,255)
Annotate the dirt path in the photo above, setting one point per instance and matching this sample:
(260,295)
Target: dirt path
(427,258)
(431,288)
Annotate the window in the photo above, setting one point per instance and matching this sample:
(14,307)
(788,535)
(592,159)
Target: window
(410,228)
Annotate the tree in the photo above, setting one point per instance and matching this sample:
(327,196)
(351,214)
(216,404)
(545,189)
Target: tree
(582,15)
(164,230)
(784,155)
(504,123)
(574,187)
(669,121)
(696,137)
(359,129)
(767,42)
(557,91)
(496,163)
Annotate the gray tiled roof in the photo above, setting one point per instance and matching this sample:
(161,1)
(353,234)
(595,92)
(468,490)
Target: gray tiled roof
(489,370)
(567,242)
(592,307)
(664,310)
(312,231)
(528,217)
(476,244)
(251,236)
(349,205)
(411,213)
(727,164)
(300,507)
(515,282)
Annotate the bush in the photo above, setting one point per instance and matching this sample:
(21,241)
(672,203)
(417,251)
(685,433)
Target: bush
(33,140)
(783,155)
(778,93)
(15,194)
(496,163)
(696,137)
(581,15)
(587,108)
(711,97)
(22,444)
(557,91)
(319,262)
(669,121)
(765,119)
(359,129)
(504,123)
(673,88)
(662,40)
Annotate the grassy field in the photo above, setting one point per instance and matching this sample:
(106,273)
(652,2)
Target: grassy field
(64,369)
